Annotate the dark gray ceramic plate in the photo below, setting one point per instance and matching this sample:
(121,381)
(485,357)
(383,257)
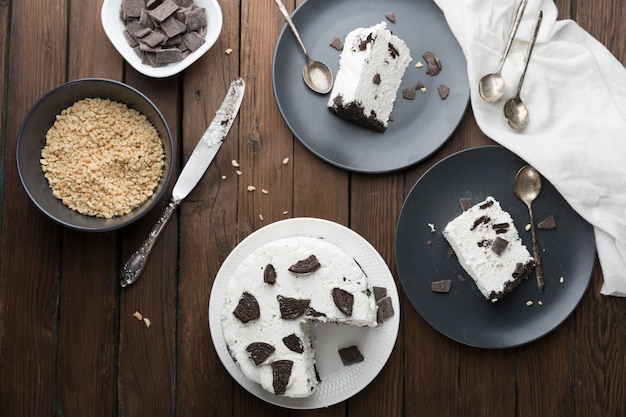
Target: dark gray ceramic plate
(463,314)
(421,126)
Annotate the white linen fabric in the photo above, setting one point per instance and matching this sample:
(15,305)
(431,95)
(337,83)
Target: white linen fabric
(575,90)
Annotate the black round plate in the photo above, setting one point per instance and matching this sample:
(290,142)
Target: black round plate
(420,126)
(464,314)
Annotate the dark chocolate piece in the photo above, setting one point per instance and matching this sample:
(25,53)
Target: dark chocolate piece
(337,44)
(293,343)
(379,293)
(391,16)
(385,309)
(465,203)
(433,63)
(292,308)
(419,85)
(281,372)
(408,93)
(247,309)
(479,221)
(305,266)
(486,205)
(548,223)
(393,51)
(376,79)
(443,91)
(350,355)
(343,300)
(499,245)
(269,274)
(441,286)
(259,352)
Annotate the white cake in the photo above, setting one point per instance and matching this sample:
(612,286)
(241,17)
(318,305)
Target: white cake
(489,248)
(371,67)
(262,308)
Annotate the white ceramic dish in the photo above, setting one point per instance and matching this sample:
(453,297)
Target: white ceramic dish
(114,28)
(338,382)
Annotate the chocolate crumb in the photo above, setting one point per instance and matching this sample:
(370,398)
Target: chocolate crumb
(259,352)
(391,16)
(548,223)
(460,277)
(479,221)
(337,44)
(293,343)
(499,245)
(305,266)
(443,91)
(441,286)
(247,309)
(269,274)
(350,355)
(409,93)
(292,308)
(465,203)
(343,300)
(281,372)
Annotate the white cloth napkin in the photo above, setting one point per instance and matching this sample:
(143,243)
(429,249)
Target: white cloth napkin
(575,90)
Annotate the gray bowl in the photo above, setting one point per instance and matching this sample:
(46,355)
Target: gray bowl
(31,140)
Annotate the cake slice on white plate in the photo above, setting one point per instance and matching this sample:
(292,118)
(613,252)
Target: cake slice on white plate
(489,248)
(371,67)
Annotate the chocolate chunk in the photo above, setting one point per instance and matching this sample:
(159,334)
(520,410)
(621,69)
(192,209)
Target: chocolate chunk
(433,63)
(164,10)
(305,266)
(379,293)
(195,18)
(408,93)
(337,44)
(486,205)
(247,309)
(460,277)
(343,300)
(293,343)
(364,42)
(548,223)
(350,355)
(393,51)
(465,203)
(193,41)
(391,16)
(385,309)
(500,227)
(479,221)
(259,352)
(281,372)
(499,245)
(441,286)
(443,91)
(269,274)
(292,308)
(376,79)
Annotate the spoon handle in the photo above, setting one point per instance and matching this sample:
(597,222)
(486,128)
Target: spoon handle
(514,26)
(538,267)
(529,51)
(287,17)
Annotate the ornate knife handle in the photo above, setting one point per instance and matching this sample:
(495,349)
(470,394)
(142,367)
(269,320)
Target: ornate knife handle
(135,265)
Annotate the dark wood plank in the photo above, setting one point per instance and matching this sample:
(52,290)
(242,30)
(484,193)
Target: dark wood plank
(29,314)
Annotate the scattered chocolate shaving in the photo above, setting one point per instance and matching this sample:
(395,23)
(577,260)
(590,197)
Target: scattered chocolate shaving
(443,91)
(376,79)
(259,352)
(441,286)
(343,300)
(519,270)
(337,44)
(385,310)
(305,266)
(391,16)
(409,93)
(499,245)
(293,343)
(269,274)
(379,293)
(350,355)
(281,372)
(292,308)
(479,221)
(247,309)
(433,63)
(548,223)
(465,203)
(500,228)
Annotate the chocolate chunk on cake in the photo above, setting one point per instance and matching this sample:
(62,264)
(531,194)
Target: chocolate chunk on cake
(489,248)
(272,298)
(371,67)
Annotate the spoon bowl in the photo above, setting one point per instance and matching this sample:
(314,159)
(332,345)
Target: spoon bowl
(527,188)
(316,74)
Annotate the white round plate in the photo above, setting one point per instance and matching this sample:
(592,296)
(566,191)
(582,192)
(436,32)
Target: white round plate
(114,29)
(339,382)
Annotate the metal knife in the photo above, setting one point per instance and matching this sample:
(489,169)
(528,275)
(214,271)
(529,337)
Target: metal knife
(194,169)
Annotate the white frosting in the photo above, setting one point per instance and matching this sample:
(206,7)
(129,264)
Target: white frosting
(357,68)
(492,272)
(337,270)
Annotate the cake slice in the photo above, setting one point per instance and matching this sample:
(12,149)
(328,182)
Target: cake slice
(371,67)
(489,248)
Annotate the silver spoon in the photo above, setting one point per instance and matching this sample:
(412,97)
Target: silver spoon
(515,111)
(527,188)
(316,74)
(491,87)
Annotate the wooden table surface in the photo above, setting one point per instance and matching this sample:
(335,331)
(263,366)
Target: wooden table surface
(69,344)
